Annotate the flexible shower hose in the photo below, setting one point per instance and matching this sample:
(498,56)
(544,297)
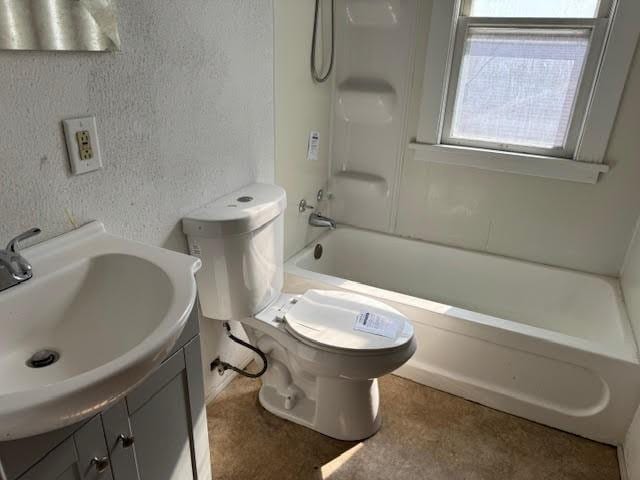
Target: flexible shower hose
(317,76)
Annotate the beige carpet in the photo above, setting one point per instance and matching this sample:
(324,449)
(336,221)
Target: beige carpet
(426,434)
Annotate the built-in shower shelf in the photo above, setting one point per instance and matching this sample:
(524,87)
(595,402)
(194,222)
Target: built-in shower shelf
(367,13)
(358,183)
(364,100)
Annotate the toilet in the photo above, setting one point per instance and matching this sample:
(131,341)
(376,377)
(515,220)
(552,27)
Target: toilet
(325,349)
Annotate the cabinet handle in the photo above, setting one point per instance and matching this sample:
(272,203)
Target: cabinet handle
(101,463)
(127,440)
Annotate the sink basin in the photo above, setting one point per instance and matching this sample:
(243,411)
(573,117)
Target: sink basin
(99,314)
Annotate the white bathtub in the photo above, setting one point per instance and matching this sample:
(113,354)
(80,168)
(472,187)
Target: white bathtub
(544,343)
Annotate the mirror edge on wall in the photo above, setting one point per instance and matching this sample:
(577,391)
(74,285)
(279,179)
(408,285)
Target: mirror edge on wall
(59,25)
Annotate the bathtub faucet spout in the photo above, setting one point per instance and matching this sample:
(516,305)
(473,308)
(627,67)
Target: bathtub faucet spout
(319,220)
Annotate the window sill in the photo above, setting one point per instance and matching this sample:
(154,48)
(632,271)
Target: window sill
(508,162)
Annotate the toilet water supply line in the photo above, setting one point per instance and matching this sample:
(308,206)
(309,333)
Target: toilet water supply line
(224,366)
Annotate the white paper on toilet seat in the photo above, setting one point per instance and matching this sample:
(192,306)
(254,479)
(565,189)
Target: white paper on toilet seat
(328,318)
(376,324)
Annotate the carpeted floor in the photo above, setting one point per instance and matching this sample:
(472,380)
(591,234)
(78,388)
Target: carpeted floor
(426,435)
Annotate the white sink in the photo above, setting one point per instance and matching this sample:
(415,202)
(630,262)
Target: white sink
(110,307)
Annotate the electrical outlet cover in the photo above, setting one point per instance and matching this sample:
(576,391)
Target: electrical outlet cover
(91,162)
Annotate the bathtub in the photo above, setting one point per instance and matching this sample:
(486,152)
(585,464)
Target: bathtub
(544,343)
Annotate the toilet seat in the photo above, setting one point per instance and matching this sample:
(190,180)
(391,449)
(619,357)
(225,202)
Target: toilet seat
(346,322)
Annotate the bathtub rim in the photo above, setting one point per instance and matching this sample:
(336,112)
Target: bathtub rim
(629,353)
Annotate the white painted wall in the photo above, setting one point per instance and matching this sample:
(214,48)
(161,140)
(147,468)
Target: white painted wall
(631,449)
(184,112)
(300,107)
(586,227)
(630,281)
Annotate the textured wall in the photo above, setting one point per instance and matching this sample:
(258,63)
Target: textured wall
(184,113)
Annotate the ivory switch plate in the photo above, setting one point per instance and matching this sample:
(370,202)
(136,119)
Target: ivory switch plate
(81,135)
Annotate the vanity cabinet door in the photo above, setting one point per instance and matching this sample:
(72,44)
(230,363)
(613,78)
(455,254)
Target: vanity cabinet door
(81,457)
(60,464)
(164,448)
(159,418)
(165,419)
(120,442)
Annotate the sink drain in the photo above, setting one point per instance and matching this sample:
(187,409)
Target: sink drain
(43,358)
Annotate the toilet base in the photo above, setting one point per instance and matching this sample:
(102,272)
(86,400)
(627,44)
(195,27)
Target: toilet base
(343,409)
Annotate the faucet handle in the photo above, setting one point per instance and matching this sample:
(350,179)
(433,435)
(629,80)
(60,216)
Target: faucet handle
(12,246)
(303,206)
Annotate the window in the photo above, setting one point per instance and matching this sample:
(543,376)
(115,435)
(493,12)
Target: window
(523,77)
(522,83)
(534,8)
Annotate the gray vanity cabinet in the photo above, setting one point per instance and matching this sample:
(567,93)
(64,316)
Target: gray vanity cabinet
(157,432)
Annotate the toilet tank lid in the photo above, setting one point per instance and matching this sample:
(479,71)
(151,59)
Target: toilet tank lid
(242,211)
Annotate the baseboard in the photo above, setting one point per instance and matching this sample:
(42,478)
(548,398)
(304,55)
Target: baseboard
(622,462)
(227,379)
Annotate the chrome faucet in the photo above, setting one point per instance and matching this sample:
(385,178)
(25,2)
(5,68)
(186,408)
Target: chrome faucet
(319,220)
(14,268)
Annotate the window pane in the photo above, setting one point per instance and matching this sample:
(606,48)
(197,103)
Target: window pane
(535,8)
(518,86)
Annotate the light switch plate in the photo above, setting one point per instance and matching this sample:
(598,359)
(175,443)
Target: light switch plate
(83,148)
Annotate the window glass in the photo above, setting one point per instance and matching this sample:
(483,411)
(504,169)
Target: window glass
(534,8)
(518,86)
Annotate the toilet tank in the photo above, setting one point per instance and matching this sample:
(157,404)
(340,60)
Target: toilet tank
(240,240)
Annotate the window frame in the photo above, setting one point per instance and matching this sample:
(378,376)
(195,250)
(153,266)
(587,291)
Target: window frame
(605,69)
(598,29)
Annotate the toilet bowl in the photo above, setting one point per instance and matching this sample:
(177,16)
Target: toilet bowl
(325,349)
(322,373)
